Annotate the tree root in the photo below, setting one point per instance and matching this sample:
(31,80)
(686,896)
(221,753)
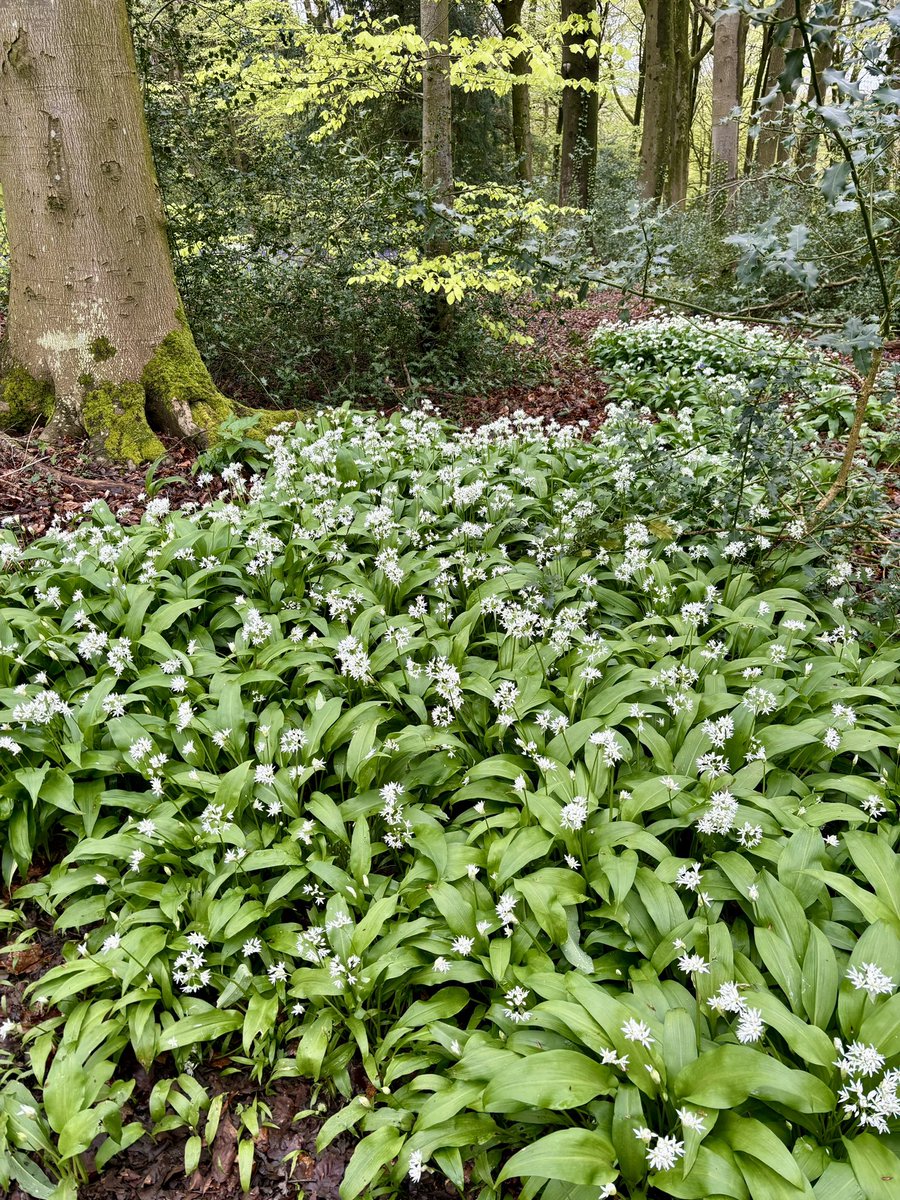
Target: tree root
(174,396)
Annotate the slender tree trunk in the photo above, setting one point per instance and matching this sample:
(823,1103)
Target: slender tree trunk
(96,337)
(770,147)
(437,146)
(727,85)
(762,68)
(511,16)
(823,57)
(437,143)
(658,100)
(679,147)
(579,105)
(639,94)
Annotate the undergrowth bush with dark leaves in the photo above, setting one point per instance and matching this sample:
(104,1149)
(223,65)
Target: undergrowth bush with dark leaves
(553,783)
(268,275)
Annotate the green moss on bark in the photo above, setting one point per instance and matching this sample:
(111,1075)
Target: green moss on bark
(175,388)
(114,414)
(102,349)
(24,400)
(175,392)
(176,377)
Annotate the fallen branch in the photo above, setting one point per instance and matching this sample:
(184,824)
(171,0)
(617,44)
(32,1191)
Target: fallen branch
(92,486)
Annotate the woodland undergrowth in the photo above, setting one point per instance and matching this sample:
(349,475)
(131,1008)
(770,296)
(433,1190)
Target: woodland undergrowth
(552,783)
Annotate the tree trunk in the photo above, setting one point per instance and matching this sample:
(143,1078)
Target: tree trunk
(823,58)
(511,16)
(437,149)
(437,145)
(658,100)
(96,334)
(759,79)
(679,144)
(770,146)
(727,86)
(579,104)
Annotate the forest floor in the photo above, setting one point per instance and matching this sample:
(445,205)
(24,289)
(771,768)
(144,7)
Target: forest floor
(39,483)
(285,1161)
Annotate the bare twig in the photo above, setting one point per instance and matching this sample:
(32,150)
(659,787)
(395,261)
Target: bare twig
(866,387)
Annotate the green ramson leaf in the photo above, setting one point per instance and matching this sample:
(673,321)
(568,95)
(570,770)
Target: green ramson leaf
(877,1169)
(729,1075)
(200,1027)
(554,1079)
(579,1156)
(837,1182)
(373,1152)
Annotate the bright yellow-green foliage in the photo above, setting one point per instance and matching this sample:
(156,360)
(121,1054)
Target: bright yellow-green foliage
(452,274)
(496,221)
(328,75)
(359,61)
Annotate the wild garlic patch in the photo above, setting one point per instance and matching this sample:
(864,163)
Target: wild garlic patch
(432,751)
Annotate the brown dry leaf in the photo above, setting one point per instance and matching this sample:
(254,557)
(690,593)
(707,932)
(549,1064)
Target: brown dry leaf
(224,1150)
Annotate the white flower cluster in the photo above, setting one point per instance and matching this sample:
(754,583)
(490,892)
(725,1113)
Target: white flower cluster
(728,999)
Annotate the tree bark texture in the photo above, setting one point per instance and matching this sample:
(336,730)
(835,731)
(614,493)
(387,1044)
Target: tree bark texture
(579,107)
(758,82)
(727,88)
(682,104)
(437,146)
(511,17)
(437,141)
(93,299)
(772,147)
(823,58)
(658,108)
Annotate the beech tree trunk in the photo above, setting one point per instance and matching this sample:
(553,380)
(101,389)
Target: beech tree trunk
(823,58)
(579,107)
(658,107)
(758,83)
(772,145)
(511,16)
(727,88)
(95,329)
(678,150)
(437,146)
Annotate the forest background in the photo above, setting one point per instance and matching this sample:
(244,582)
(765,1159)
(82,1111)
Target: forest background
(323,218)
(404,805)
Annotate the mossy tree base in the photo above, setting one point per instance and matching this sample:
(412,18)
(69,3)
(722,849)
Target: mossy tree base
(114,416)
(24,401)
(181,396)
(175,393)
